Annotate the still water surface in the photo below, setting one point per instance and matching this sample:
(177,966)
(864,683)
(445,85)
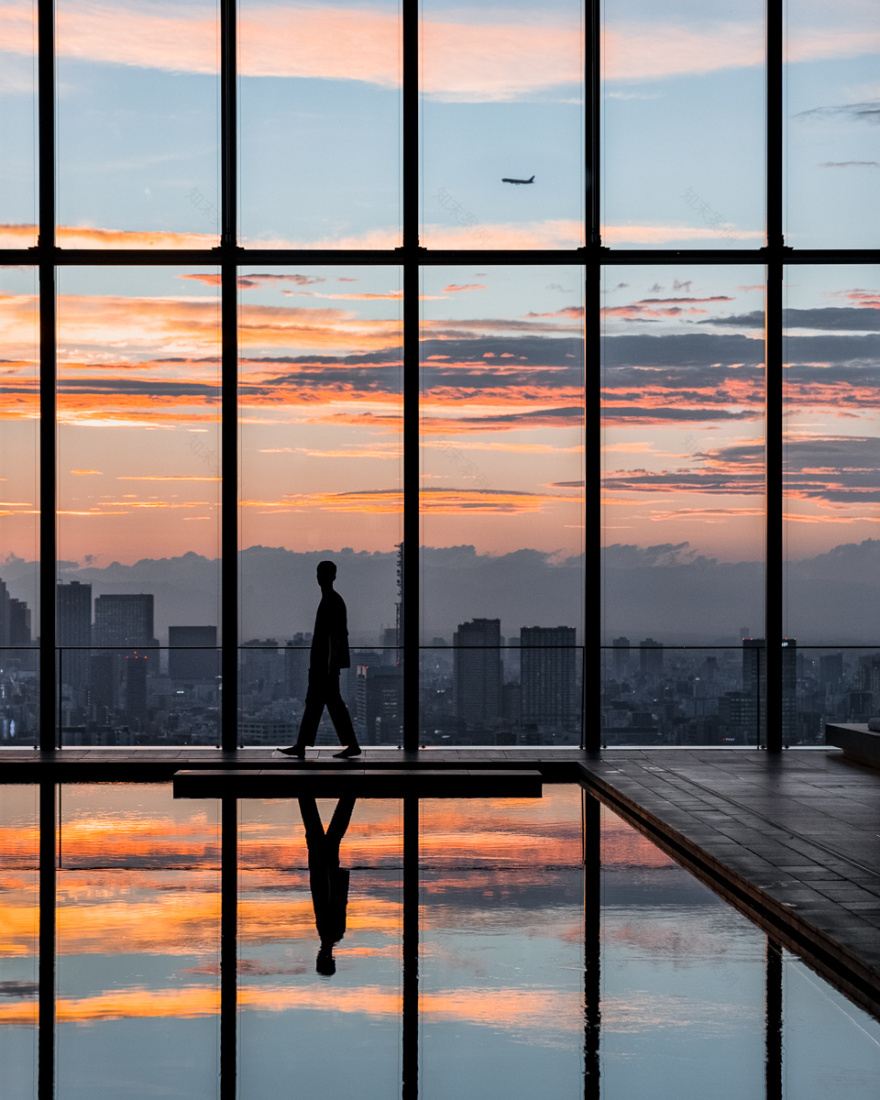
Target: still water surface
(518,925)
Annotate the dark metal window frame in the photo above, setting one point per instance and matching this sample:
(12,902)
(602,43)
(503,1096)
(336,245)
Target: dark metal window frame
(46,256)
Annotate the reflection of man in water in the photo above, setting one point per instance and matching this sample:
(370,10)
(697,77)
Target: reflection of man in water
(329,654)
(328,881)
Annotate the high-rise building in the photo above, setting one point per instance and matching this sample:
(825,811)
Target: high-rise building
(831,669)
(136,666)
(124,621)
(261,665)
(620,658)
(297,654)
(193,653)
(19,623)
(73,611)
(548,674)
(15,620)
(477,671)
(379,707)
(789,691)
(754,685)
(650,658)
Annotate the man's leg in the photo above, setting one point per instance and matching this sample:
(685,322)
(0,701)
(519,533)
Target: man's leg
(340,717)
(339,823)
(314,708)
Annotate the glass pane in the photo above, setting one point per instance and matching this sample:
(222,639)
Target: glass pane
(320,124)
(683,455)
(502,125)
(655,694)
(320,390)
(137,128)
(829,684)
(19,919)
(683,104)
(501,978)
(831,453)
(18,125)
(138,943)
(138,490)
(502,506)
(320,966)
(831,109)
(19,506)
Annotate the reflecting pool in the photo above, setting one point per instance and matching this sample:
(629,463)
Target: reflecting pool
(465,948)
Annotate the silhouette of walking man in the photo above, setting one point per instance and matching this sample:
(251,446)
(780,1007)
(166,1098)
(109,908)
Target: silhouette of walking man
(328,881)
(329,654)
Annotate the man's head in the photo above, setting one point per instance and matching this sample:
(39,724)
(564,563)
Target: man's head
(326,573)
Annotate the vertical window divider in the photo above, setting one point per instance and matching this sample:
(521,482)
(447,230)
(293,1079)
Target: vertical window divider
(229,538)
(49,722)
(773,426)
(410,617)
(593,602)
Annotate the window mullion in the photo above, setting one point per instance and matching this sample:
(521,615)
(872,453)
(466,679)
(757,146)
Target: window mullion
(49,704)
(410,587)
(773,577)
(229,616)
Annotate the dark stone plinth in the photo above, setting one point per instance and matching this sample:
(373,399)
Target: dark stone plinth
(856,740)
(348,779)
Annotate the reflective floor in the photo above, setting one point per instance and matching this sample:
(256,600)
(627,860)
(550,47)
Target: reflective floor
(448,948)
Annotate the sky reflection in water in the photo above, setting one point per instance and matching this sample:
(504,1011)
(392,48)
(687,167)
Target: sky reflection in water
(501,959)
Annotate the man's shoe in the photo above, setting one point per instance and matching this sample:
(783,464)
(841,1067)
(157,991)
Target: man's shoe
(348,751)
(299,751)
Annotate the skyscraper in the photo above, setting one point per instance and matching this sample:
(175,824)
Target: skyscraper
(124,621)
(73,610)
(650,658)
(789,691)
(620,654)
(192,653)
(477,671)
(296,665)
(379,703)
(754,681)
(548,674)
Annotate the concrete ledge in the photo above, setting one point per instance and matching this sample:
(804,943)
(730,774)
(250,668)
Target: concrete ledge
(856,740)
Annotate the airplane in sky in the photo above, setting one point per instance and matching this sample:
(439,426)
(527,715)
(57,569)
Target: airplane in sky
(506,179)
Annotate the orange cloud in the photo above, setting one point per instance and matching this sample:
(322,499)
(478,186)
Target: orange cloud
(486,501)
(376,502)
(164,477)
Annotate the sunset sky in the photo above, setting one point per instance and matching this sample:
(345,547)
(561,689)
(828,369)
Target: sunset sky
(502,398)
(320,126)
(502,377)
